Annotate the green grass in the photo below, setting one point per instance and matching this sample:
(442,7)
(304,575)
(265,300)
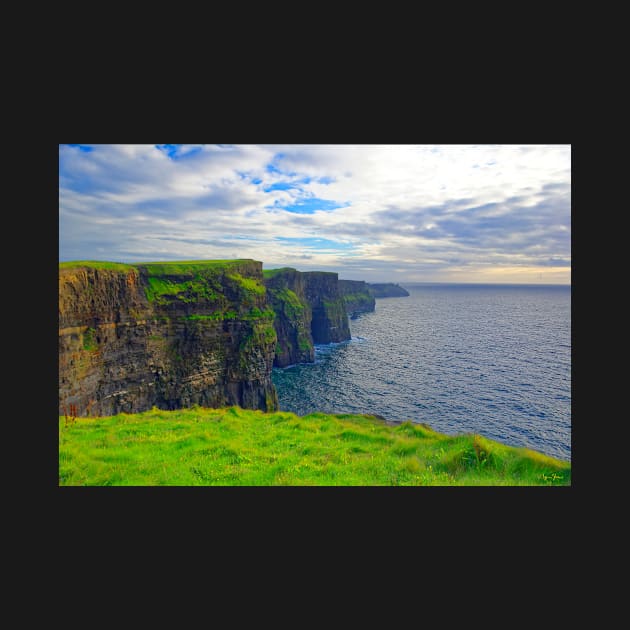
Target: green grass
(193,281)
(190,291)
(187,267)
(262,333)
(251,285)
(233,446)
(303,343)
(287,301)
(166,268)
(256,313)
(357,297)
(97,264)
(218,316)
(89,340)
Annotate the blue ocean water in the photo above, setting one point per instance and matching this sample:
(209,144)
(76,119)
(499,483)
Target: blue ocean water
(488,359)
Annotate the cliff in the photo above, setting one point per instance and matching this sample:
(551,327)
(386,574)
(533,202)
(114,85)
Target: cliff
(357,296)
(309,308)
(387,289)
(175,334)
(329,320)
(286,294)
(168,335)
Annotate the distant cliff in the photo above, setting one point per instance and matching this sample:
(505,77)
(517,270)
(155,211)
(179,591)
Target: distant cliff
(330,320)
(357,296)
(309,308)
(387,289)
(167,334)
(286,294)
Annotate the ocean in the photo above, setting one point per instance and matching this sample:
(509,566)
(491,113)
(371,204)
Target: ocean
(488,359)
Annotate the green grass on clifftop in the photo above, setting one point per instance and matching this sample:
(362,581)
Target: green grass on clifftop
(97,264)
(174,268)
(233,446)
(187,267)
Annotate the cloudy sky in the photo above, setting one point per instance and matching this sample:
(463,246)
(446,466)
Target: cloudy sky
(415,213)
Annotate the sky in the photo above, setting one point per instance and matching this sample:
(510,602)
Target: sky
(380,213)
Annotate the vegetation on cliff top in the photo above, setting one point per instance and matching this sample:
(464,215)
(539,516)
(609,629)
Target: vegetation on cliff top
(232,446)
(97,264)
(166,268)
(188,267)
(203,280)
(195,290)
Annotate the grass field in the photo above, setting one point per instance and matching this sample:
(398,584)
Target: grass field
(233,446)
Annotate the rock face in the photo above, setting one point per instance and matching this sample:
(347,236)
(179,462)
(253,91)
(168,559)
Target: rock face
(286,294)
(329,321)
(357,296)
(168,335)
(309,309)
(387,289)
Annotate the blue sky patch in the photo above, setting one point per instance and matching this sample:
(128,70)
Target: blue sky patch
(312,205)
(174,151)
(315,243)
(169,149)
(279,186)
(296,183)
(82,147)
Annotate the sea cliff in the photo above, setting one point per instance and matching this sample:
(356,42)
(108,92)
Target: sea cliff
(357,296)
(176,334)
(168,335)
(286,294)
(309,308)
(330,320)
(387,289)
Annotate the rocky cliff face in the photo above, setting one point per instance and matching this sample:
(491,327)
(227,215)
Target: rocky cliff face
(309,309)
(330,321)
(387,289)
(357,296)
(168,335)
(293,315)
